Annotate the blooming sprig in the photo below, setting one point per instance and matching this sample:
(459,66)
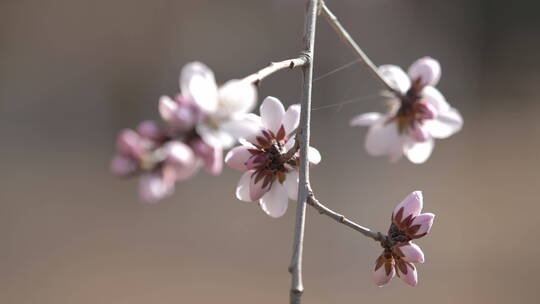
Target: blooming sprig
(400,253)
(201,121)
(419,115)
(269,159)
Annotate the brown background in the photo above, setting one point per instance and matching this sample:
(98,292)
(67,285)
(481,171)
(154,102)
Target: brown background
(74,72)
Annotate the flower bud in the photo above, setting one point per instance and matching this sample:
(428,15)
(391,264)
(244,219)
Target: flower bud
(409,207)
(421,225)
(153,188)
(151,130)
(130,143)
(123,165)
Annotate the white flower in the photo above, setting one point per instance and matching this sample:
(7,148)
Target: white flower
(225,107)
(270,167)
(420,114)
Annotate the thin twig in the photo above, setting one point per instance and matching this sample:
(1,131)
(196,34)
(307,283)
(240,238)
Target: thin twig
(314,202)
(273,67)
(297,287)
(347,39)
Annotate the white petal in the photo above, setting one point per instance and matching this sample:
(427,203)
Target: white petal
(291,118)
(396,76)
(167,107)
(383,138)
(427,70)
(197,82)
(436,98)
(236,96)
(419,152)
(314,156)
(366,119)
(275,201)
(246,126)
(446,124)
(242,189)
(214,136)
(272,112)
(291,184)
(289,144)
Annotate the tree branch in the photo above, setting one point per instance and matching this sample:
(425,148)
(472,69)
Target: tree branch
(273,67)
(297,287)
(348,40)
(377,236)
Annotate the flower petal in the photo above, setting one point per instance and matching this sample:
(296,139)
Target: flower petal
(167,107)
(410,206)
(246,126)
(291,184)
(314,156)
(419,152)
(446,124)
(396,76)
(411,277)
(272,112)
(123,165)
(383,272)
(412,253)
(256,190)
(238,157)
(275,202)
(153,188)
(197,83)
(236,96)
(424,221)
(383,139)
(291,118)
(242,189)
(436,98)
(365,119)
(426,70)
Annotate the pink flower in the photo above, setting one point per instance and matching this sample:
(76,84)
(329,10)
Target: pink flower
(270,167)
(160,160)
(416,118)
(400,253)
(218,114)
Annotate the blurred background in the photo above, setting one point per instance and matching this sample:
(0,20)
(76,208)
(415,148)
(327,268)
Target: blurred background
(74,72)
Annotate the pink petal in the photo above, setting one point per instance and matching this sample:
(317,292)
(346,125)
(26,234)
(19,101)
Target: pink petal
(427,110)
(150,129)
(434,97)
(130,143)
(424,221)
(153,188)
(418,132)
(123,165)
(411,253)
(275,201)
(179,154)
(256,190)
(210,153)
(238,157)
(272,112)
(426,70)
(409,207)
(291,118)
(411,277)
(242,189)
(384,273)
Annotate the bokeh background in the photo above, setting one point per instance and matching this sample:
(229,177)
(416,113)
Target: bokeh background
(74,72)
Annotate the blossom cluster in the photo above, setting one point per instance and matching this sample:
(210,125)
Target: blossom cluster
(200,122)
